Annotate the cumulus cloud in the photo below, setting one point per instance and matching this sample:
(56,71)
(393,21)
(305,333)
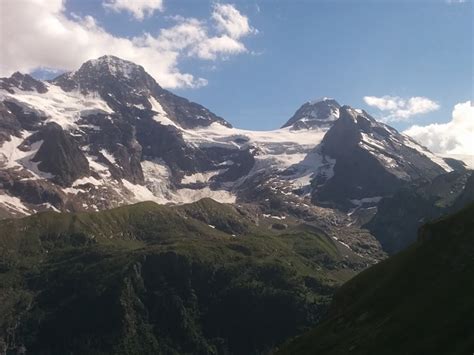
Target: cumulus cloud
(455,138)
(138,8)
(39,34)
(399,109)
(191,36)
(230,21)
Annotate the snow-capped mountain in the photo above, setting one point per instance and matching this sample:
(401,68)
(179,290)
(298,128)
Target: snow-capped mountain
(372,159)
(108,134)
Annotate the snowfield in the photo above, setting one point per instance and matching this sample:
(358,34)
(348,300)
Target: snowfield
(57,105)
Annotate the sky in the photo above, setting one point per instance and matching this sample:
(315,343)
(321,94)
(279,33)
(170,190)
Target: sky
(254,62)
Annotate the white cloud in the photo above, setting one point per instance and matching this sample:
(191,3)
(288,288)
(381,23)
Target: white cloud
(455,138)
(191,38)
(230,21)
(138,8)
(38,34)
(399,109)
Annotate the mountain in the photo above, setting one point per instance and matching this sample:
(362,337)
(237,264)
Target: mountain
(418,301)
(372,159)
(199,278)
(123,84)
(108,135)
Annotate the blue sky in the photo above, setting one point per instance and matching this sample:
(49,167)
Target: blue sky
(300,50)
(345,50)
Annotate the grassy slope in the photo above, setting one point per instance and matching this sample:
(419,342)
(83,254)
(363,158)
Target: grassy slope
(420,301)
(148,279)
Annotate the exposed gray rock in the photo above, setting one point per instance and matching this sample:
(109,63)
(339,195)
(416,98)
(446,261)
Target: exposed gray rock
(371,160)
(60,155)
(22,82)
(398,217)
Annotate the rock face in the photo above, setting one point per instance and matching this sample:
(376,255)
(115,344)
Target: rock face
(372,159)
(417,204)
(59,155)
(22,82)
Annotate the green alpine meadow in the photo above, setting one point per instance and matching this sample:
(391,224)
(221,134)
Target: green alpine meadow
(149,279)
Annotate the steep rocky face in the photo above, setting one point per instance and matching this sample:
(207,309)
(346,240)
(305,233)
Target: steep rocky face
(24,119)
(167,143)
(399,217)
(317,113)
(22,82)
(9,124)
(372,160)
(59,155)
(35,192)
(467,194)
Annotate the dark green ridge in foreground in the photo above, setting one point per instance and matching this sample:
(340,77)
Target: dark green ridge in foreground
(420,301)
(201,278)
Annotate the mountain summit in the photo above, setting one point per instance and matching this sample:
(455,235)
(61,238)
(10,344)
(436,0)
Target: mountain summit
(316,113)
(103,72)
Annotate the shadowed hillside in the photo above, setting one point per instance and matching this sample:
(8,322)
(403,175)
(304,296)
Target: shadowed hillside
(419,301)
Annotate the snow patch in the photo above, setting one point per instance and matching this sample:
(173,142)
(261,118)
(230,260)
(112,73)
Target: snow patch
(191,195)
(274,217)
(13,204)
(436,159)
(61,107)
(200,177)
(12,157)
(108,156)
(140,192)
(161,115)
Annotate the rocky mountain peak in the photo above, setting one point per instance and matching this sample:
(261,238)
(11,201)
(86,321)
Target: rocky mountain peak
(109,65)
(126,87)
(324,99)
(107,73)
(321,112)
(23,82)
(372,159)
